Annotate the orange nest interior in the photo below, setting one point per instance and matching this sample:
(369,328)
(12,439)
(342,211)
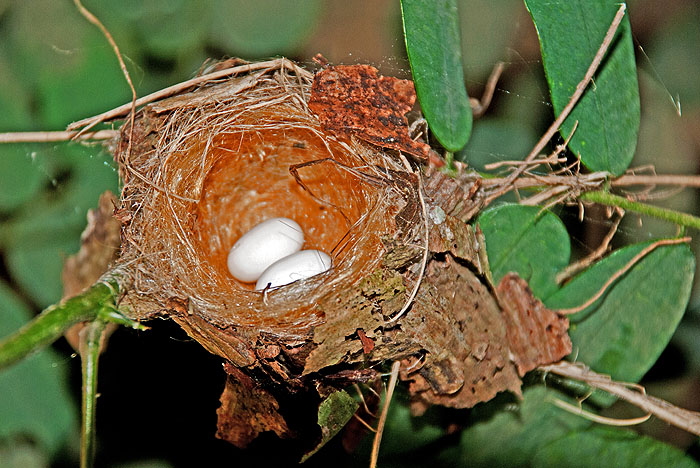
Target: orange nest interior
(250,182)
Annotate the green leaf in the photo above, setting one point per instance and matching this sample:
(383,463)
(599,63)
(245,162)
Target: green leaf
(495,140)
(35,398)
(333,413)
(607,446)
(625,331)
(608,114)
(509,437)
(48,229)
(264,27)
(19,179)
(528,240)
(431,30)
(404,433)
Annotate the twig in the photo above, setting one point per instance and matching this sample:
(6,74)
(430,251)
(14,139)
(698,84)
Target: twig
(679,417)
(678,180)
(574,268)
(177,88)
(93,19)
(621,272)
(548,160)
(46,137)
(479,106)
(580,88)
(595,179)
(598,418)
(385,411)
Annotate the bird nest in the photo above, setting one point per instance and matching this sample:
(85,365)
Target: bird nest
(409,279)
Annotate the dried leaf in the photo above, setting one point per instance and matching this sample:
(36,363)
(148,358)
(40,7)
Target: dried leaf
(247,410)
(99,247)
(459,324)
(355,99)
(536,335)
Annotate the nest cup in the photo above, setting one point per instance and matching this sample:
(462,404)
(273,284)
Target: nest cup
(202,168)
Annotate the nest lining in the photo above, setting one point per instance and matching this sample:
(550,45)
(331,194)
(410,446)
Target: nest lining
(207,166)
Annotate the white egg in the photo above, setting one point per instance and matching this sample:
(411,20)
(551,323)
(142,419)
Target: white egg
(300,265)
(262,246)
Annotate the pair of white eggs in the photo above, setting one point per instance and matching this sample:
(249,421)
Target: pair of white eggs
(270,254)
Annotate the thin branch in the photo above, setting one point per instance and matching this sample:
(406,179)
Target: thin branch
(678,180)
(621,272)
(47,137)
(177,88)
(679,417)
(598,418)
(549,160)
(574,268)
(93,19)
(385,411)
(580,89)
(479,106)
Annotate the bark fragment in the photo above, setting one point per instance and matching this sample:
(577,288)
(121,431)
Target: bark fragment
(355,99)
(247,410)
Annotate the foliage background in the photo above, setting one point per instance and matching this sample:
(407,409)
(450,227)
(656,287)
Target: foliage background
(159,390)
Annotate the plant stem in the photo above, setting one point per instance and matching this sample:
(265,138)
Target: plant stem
(606,198)
(90,339)
(47,327)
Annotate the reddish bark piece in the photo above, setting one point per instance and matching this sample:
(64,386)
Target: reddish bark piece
(355,99)
(367,343)
(536,335)
(247,410)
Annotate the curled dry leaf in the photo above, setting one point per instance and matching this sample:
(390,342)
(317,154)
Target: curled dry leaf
(247,410)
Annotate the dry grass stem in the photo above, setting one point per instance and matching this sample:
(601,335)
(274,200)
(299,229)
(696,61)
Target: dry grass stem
(385,412)
(93,19)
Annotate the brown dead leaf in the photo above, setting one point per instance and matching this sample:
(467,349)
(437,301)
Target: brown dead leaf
(99,248)
(459,324)
(247,410)
(355,99)
(536,335)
